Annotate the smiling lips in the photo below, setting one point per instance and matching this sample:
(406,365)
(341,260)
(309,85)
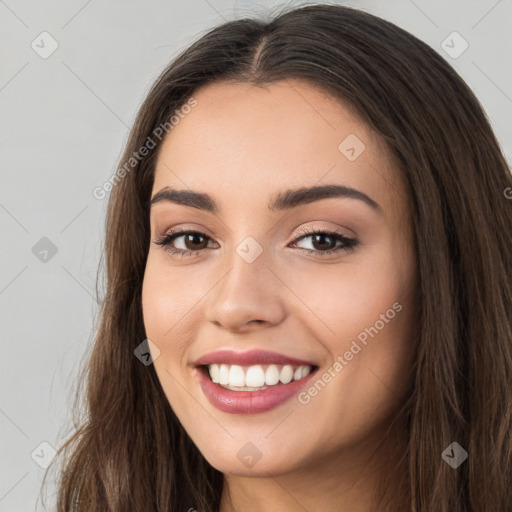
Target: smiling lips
(251,382)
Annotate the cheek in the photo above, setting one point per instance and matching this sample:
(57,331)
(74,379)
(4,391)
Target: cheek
(164,308)
(364,317)
(164,304)
(168,297)
(156,307)
(340,301)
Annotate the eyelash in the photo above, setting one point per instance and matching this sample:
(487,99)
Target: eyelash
(348,243)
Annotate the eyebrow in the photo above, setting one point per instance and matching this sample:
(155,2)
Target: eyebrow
(283,201)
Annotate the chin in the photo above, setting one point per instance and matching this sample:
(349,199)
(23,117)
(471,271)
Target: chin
(248,459)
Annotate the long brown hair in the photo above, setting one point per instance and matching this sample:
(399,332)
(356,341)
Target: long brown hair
(129,451)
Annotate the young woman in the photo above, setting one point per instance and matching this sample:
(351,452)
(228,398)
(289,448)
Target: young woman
(308,284)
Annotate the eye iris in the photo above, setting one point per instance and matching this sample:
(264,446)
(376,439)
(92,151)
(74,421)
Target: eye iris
(193,237)
(322,244)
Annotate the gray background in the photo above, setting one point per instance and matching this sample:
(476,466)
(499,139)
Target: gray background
(64,120)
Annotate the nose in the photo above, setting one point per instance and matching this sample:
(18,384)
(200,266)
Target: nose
(248,297)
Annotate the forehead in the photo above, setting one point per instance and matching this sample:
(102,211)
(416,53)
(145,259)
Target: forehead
(256,141)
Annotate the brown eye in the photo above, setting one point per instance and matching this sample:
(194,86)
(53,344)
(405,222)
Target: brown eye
(324,242)
(184,242)
(193,241)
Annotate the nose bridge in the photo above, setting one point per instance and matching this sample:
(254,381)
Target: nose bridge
(248,291)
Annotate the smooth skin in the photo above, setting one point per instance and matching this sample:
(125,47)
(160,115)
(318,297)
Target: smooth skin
(244,144)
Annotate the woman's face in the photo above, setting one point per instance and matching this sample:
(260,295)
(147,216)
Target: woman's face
(332,311)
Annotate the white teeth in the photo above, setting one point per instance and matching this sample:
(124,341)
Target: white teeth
(236,376)
(224,374)
(272,375)
(214,373)
(255,377)
(305,371)
(286,374)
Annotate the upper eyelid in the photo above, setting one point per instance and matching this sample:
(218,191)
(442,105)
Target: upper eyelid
(304,231)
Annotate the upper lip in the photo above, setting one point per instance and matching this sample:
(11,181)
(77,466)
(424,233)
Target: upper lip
(248,358)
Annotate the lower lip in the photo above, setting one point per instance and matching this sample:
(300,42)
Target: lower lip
(249,402)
